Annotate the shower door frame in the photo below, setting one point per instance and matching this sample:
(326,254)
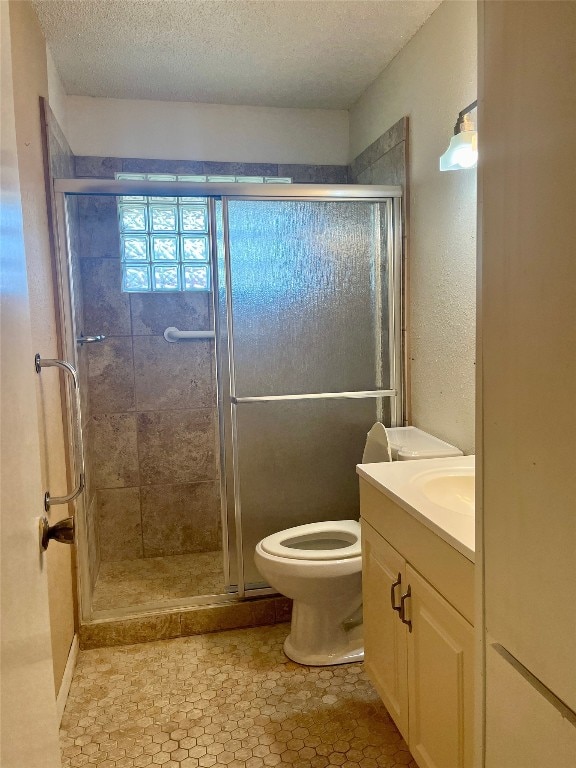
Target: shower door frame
(390,196)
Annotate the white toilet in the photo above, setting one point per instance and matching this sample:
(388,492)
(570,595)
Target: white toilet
(319,565)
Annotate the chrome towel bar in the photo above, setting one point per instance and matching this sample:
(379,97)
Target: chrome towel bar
(173,334)
(69,369)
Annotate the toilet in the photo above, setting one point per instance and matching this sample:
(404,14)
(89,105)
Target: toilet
(319,566)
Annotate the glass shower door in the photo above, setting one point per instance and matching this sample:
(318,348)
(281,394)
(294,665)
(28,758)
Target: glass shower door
(313,305)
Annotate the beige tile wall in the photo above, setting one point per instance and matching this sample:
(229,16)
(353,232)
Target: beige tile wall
(152,425)
(385,160)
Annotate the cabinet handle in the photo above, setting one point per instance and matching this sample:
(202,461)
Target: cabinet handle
(402,611)
(393,593)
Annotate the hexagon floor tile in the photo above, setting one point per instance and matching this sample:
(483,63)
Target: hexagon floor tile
(224,699)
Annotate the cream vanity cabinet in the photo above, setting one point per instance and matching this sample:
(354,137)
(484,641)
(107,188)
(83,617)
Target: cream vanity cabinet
(418,631)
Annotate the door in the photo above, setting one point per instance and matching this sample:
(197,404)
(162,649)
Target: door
(383,579)
(29,734)
(529,486)
(440,679)
(313,299)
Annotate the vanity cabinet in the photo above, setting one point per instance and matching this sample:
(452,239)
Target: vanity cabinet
(418,632)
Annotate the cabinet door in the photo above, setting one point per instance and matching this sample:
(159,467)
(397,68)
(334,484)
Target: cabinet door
(440,679)
(384,633)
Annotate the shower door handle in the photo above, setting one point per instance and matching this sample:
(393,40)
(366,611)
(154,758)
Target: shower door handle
(78,446)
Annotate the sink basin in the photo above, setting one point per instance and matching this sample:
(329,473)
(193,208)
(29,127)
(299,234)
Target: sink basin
(452,490)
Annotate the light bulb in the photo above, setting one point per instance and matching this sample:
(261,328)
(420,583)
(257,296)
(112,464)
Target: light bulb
(466,156)
(462,152)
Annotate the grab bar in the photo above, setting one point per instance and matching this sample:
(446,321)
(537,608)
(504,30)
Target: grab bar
(173,334)
(40,363)
(90,339)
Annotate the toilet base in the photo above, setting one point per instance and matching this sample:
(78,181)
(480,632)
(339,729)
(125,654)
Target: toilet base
(321,660)
(319,639)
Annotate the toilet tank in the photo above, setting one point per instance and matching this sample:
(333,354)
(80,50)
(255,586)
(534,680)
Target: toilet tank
(408,443)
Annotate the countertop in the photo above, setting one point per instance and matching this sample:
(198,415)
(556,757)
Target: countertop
(397,481)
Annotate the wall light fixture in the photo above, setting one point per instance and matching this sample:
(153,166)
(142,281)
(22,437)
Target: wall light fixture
(462,151)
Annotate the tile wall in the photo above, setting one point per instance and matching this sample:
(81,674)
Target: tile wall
(385,161)
(105,168)
(152,423)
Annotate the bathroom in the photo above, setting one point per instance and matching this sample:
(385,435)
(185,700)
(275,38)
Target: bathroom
(142,572)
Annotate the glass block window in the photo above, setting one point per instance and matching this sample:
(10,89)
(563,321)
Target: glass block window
(164,241)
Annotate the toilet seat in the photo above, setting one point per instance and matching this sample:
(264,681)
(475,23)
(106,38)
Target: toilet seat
(304,542)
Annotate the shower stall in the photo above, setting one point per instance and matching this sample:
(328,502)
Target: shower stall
(234,344)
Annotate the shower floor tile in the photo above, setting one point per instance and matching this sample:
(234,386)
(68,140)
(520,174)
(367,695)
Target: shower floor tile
(228,698)
(125,583)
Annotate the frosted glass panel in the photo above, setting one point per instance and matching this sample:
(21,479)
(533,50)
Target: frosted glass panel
(297,462)
(193,219)
(135,248)
(132,218)
(309,290)
(131,176)
(161,177)
(136,278)
(194,248)
(196,278)
(166,278)
(164,248)
(164,218)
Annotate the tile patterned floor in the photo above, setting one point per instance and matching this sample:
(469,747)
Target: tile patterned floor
(133,582)
(225,699)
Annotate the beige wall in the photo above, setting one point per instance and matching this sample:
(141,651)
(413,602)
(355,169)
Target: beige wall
(431,80)
(28,726)
(181,130)
(30,82)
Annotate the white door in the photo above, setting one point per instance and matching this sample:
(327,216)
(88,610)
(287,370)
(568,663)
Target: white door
(440,679)
(29,733)
(384,575)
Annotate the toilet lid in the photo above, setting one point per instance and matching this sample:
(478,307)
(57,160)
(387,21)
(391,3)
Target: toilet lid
(332,540)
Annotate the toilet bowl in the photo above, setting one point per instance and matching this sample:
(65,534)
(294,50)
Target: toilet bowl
(319,566)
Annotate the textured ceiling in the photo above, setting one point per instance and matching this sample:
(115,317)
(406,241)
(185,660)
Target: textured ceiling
(291,53)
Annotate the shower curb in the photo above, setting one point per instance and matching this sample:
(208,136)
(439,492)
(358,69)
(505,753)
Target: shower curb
(202,619)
